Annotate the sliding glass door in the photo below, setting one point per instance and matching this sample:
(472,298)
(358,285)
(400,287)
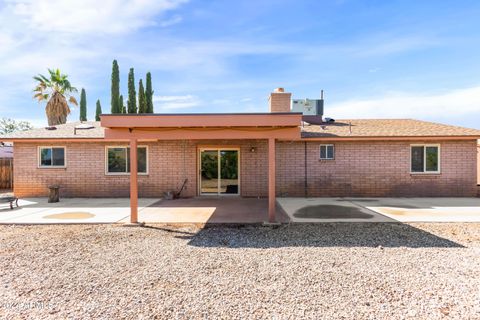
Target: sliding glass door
(219,171)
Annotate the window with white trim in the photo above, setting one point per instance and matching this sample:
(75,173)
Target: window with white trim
(118,160)
(51,157)
(327,152)
(425,159)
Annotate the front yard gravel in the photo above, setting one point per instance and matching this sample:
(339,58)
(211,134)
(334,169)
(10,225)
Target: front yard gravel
(321,271)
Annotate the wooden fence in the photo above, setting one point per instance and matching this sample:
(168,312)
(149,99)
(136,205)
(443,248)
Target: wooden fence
(6,173)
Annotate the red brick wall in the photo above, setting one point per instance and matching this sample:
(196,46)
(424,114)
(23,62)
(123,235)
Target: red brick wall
(279,101)
(169,164)
(85,175)
(478,164)
(478,169)
(374,169)
(360,169)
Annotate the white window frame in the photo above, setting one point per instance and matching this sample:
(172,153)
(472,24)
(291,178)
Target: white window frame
(425,158)
(39,157)
(125,173)
(326,153)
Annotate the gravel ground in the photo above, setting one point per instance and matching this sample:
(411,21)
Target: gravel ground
(323,271)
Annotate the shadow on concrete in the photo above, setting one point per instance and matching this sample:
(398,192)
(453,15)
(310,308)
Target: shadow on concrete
(413,203)
(216,210)
(388,235)
(327,211)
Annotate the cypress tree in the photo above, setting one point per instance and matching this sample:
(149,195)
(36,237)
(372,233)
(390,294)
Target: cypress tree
(132,95)
(83,106)
(142,102)
(98,111)
(115,88)
(121,105)
(149,93)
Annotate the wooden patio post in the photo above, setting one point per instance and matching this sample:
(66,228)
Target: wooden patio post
(271,180)
(133,182)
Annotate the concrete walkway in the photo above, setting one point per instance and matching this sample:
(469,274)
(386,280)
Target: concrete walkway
(382,209)
(70,210)
(243,210)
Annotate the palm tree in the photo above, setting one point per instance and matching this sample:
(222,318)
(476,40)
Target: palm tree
(55,90)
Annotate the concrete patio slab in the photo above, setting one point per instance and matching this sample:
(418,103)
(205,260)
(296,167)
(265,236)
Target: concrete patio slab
(382,209)
(428,209)
(70,210)
(210,210)
(239,210)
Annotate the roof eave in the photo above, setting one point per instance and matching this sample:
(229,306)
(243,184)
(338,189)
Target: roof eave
(383,138)
(52,139)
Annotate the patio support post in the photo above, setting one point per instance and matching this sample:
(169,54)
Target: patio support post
(133,182)
(271,180)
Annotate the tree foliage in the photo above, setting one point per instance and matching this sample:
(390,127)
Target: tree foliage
(142,102)
(132,95)
(228,165)
(122,105)
(98,111)
(8,125)
(83,105)
(149,93)
(55,89)
(115,90)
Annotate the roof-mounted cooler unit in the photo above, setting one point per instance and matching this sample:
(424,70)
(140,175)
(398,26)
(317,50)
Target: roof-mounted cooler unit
(309,107)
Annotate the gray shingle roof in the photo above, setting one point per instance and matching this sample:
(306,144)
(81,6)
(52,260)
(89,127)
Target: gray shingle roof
(63,131)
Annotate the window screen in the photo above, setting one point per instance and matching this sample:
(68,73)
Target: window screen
(417,159)
(52,157)
(425,159)
(119,160)
(327,152)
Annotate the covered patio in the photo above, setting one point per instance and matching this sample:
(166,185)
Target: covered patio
(202,210)
(212,127)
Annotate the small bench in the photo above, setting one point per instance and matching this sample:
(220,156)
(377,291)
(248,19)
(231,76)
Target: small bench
(10,200)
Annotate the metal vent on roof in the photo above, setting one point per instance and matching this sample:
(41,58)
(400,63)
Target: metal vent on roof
(82,126)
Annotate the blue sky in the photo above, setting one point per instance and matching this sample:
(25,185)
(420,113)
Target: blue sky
(374,59)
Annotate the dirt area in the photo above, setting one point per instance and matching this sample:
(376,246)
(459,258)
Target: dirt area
(321,271)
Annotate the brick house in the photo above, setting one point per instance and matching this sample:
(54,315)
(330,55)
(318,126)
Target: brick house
(280,153)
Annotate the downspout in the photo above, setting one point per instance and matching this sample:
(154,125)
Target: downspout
(306,171)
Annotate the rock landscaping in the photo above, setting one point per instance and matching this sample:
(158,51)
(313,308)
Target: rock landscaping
(321,271)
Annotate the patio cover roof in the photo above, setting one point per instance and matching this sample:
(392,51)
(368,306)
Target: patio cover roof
(203,126)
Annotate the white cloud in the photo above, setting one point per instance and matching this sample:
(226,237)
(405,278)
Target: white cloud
(451,104)
(170,103)
(78,37)
(88,16)
(388,44)
(170,22)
